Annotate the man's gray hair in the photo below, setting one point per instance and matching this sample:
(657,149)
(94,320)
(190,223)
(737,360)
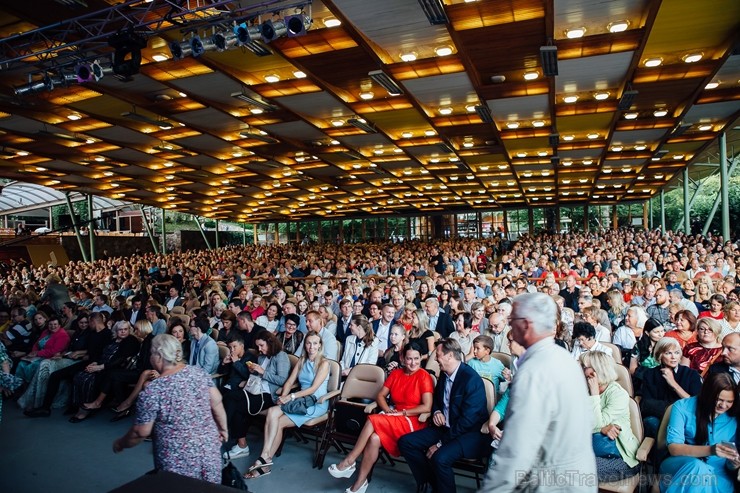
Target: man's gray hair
(540,309)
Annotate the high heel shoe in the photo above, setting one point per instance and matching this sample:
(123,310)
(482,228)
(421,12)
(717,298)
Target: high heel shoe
(342,473)
(361,489)
(121,415)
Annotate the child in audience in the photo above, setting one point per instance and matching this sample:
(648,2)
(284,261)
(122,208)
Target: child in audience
(482,362)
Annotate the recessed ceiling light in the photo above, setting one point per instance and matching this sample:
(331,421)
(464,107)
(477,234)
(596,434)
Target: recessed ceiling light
(653,62)
(617,148)
(593,136)
(607,171)
(468,143)
(542,153)
(570,99)
(692,57)
(470,108)
(521,154)
(299,74)
(512,125)
(430,133)
(567,162)
(640,147)
(588,162)
(703,127)
(618,26)
(99,159)
(337,122)
(630,116)
(272,78)
(407,135)
(660,113)
(602,95)
(569,137)
(89,141)
(367,95)
(712,85)
(331,22)
(182,94)
(538,123)
(160,57)
(256,111)
(443,50)
(74,116)
(408,57)
(679,157)
(531,75)
(576,32)
(445,110)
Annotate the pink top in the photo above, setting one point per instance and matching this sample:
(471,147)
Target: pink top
(57,343)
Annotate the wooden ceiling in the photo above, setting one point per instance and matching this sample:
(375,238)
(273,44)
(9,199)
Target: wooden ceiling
(301,158)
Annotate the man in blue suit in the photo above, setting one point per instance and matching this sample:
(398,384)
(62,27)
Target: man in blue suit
(458,413)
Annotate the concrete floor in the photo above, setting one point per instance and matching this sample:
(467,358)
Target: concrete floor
(50,454)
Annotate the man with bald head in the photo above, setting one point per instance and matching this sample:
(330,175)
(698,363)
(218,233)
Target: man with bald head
(730,357)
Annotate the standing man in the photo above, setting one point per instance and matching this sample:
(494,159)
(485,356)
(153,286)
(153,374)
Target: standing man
(540,449)
(458,412)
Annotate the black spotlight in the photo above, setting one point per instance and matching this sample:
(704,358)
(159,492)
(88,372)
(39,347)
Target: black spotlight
(127,57)
(196,46)
(296,24)
(272,30)
(84,73)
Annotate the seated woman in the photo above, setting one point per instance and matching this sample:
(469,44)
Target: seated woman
(50,346)
(665,384)
(421,334)
(228,326)
(86,384)
(271,318)
(291,339)
(464,333)
(584,340)
(643,351)
(615,446)
(361,346)
(182,411)
(273,366)
(707,349)
(116,382)
(312,373)
(393,356)
(410,389)
(698,432)
(685,332)
(634,322)
(716,308)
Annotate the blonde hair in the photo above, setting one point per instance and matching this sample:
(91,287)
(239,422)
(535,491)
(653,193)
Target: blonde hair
(144,327)
(603,365)
(712,324)
(423,326)
(664,345)
(168,348)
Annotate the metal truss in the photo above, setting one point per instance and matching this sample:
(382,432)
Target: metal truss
(75,39)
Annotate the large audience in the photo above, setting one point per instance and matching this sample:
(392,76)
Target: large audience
(261,324)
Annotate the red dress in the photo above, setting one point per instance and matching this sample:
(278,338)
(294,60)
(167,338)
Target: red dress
(701,358)
(406,391)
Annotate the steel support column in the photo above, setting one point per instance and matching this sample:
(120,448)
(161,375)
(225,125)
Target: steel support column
(149,229)
(686,202)
(724,186)
(91,227)
(163,239)
(217,233)
(662,210)
(203,233)
(74,225)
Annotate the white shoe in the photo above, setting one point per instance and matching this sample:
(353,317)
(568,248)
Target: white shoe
(342,473)
(236,451)
(361,489)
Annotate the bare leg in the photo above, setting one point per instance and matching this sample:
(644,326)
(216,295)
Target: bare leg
(97,403)
(283,423)
(359,448)
(369,457)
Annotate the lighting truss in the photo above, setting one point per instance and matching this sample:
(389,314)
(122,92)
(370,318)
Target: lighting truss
(549,56)
(385,81)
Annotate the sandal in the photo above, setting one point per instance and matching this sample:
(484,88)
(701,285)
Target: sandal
(257,472)
(260,463)
(119,411)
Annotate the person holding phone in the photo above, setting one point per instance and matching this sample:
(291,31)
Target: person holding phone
(700,437)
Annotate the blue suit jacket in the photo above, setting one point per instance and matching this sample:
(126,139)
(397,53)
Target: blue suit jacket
(468,408)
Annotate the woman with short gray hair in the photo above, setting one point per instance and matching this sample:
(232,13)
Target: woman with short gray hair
(184,410)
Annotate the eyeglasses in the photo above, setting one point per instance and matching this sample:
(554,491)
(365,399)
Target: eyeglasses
(704,329)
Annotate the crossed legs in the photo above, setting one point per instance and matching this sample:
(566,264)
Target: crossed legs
(367,445)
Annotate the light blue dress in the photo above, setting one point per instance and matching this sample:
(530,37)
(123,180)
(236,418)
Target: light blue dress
(692,474)
(305,379)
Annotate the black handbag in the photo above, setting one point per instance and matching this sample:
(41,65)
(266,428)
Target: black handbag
(299,405)
(230,476)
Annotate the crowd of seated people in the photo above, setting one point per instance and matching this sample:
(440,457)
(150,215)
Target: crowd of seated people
(663,305)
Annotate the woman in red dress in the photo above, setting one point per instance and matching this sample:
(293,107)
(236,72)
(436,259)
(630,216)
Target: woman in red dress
(410,388)
(707,349)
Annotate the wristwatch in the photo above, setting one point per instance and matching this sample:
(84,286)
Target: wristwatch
(292,397)
(439,444)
